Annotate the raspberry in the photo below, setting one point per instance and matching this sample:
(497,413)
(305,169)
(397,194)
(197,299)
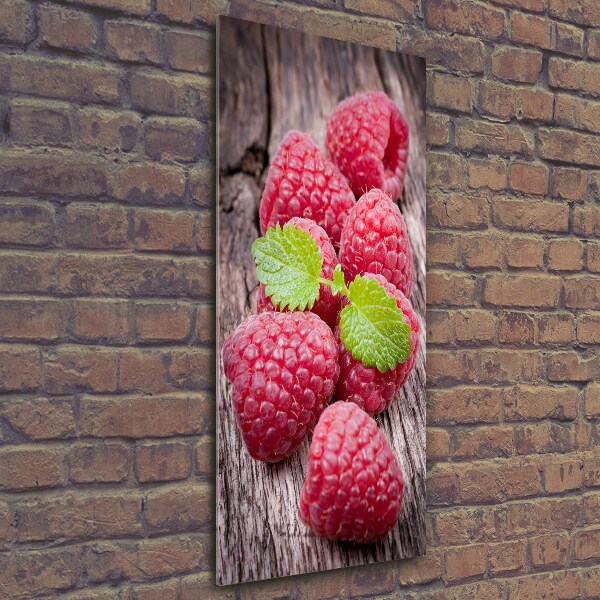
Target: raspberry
(327,305)
(375,240)
(283,367)
(353,489)
(303,182)
(367,387)
(367,138)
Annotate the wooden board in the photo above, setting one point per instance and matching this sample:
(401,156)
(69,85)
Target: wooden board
(270,81)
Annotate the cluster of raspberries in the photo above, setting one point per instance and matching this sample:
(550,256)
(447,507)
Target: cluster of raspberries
(285,366)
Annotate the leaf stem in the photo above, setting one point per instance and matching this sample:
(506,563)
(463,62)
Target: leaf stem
(343,291)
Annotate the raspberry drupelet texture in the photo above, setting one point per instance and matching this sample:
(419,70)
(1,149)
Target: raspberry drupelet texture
(375,240)
(353,489)
(283,367)
(365,386)
(327,305)
(303,182)
(367,138)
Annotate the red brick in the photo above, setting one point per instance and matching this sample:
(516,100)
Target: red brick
(465,17)
(26,223)
(531,30)
(202,586)
(186,12)
(206,323)
(464,54)
(450,289)
(108,130)
(32,319)
(593,48)
(141,416)
(368,580)
(490,173)
(482,251)
(532,5)
(494,138)
(593,257)
(576,75)
(179,95)
(133,7)
(516,64)
(175,139)
(95,226)
(591,582)
(538,402)
(62,27)
(421,569)
(588,328)
(73,80)
(497,99)
(451,367)
(442,486)
(516,328)
(563,585)
(568,39)
(164,230)
(570,366)
(446,171)
(508,366)
(27,468)
(162,321)
(466,561)
(543,438)
(443,248)
(536,104)
(41,418)
(577,113)
(146,559)
(148,184)
(582,292)
(73,516)
(569,183)
(507,556)
(98,463)
(529,178)
(522,290)
(457,210)
(202,184)
(133,41)
(38,573)
(525,253)
(587,544)
(586,221)
(530,215)
(17,22)
(359,30)
(461,326)
(189,51)
(583,12)
(450,92)
(205,456)
(468,404)
(179,507)
(591,508)
(96,320)
(563,476)
(162,461)
(438,129)
(482,442)
(556,328)
(565,255)
(166,590)
(32,122)
(20,368)
(72,369)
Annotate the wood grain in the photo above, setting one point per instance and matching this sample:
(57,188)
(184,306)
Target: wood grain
(270,81)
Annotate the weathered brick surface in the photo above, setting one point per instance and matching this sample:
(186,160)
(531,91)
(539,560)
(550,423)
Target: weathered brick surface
(107,297)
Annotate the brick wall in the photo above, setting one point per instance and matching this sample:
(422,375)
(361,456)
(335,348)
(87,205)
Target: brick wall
(106,318)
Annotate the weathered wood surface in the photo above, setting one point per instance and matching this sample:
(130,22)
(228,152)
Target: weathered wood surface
(271,81)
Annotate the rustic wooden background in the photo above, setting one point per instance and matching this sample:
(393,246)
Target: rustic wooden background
(270,81)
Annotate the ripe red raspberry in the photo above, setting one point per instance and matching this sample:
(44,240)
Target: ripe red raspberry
(367,138)
(303,182)
(353,489)
(283,367)
(327,305)
(372,390)
(375,240)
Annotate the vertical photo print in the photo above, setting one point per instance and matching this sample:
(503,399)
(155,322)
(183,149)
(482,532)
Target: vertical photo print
(320,304)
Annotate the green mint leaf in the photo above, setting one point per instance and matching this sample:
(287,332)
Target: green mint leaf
(338,280)
(289,263)
(373,328)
